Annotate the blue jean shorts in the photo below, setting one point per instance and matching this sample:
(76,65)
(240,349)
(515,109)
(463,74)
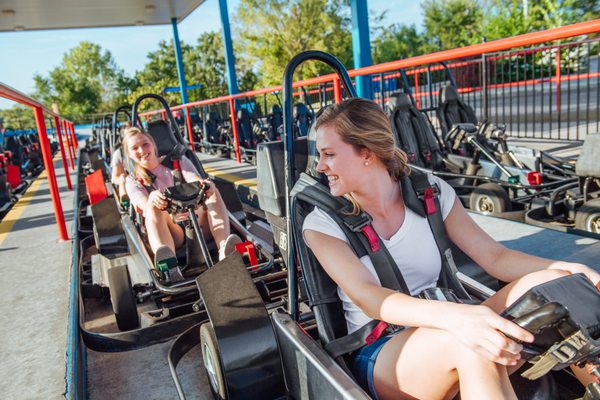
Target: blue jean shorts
(364,364)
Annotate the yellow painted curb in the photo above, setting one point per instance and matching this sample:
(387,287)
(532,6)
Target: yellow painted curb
(250,183)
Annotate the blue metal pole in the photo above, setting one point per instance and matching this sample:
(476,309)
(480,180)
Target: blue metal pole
(179,60)
(361,45)
(229,60)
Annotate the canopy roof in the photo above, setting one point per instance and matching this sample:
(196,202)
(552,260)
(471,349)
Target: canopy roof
(19,15)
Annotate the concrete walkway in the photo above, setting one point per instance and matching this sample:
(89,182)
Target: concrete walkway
(34,313)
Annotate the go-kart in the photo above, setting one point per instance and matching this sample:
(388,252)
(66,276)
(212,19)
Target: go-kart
(125,303)
(482,182)
(253,351)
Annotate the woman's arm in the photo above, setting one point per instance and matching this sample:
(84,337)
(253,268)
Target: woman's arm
(502,263)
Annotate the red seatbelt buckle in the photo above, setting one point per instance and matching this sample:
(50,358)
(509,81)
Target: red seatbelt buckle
(247,248)
(429,201)
(176,165)
(376,333)
(371,236)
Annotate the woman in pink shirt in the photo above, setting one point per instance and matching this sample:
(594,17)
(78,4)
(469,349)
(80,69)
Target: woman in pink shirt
(164,234)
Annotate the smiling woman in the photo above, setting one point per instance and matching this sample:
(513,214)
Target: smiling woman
(481,348)
(145,190)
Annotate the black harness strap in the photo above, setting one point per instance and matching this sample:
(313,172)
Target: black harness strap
(422,198)
(431,205)
(360,233)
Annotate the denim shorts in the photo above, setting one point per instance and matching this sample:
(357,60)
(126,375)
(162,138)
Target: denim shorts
(364,364)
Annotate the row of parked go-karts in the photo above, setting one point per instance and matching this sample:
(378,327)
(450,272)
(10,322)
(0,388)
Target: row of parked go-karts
(264,316)
(20,162)
(492,176)
(213,133)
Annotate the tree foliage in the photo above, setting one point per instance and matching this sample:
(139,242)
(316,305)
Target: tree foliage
(396,42)
(87,79)
(17,117)
(271,32)
(451,23)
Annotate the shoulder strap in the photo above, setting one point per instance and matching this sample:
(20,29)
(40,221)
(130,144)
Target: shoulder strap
(429,196)
(357,228)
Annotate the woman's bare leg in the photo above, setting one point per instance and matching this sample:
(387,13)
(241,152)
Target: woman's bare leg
(218,219)
(431,364)
(161,229)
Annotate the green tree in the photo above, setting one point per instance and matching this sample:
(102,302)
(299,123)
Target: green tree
(87,79)
(451,23)
(18,117)
(271,32)
(397,41)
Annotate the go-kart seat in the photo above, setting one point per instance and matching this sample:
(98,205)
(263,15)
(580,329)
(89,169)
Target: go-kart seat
(169,146)
(244,127)
(270,169)
(414,134)
(451,110)
(302,119)
(275,120)
(16,149)
(587,163)
(212,131)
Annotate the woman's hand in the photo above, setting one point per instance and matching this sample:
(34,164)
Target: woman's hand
(157,199)
(485,332)
(211,187)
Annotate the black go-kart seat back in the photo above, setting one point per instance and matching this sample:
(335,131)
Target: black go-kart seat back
(244,127)
(414,134)
(587,163)
(451,110)
(270,170)
(212,125)
(302,118)
(169,147)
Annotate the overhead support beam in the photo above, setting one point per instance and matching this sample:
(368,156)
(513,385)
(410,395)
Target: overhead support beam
(229,59)
(361,45)
(179,60)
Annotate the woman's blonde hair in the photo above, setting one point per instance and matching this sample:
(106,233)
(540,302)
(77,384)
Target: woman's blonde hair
(364,125)
(139,171)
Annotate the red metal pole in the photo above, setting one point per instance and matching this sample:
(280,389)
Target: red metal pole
(48,163)
(417,96)
(236,139)
(62,152)
(74,138)
(69,145)
(188,122)
(558,79)
(337,90)
(163,114)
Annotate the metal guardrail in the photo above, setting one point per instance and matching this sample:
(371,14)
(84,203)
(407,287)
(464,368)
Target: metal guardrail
(489,75)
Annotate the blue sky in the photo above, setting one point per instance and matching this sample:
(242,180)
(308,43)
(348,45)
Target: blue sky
(24,54)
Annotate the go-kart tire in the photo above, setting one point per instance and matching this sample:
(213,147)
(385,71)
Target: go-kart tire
(123,298)
(211,358)
(490,198)
(587,217)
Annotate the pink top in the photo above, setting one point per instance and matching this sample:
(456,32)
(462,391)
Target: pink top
(164,179)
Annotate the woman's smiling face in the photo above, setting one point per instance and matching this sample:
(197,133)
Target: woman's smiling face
(343,165)
(142,151)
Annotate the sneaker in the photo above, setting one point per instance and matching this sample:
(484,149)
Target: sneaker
(228,246)
(165,262)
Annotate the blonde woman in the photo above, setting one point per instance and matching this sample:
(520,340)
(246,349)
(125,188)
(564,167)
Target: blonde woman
(445,346)
(145,191)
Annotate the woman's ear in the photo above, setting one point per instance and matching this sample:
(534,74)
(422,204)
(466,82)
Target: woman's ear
(367,155)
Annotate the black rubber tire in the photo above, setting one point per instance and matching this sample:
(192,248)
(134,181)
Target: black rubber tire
(490,198)
(123,298)
(211,358)
(587,217)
